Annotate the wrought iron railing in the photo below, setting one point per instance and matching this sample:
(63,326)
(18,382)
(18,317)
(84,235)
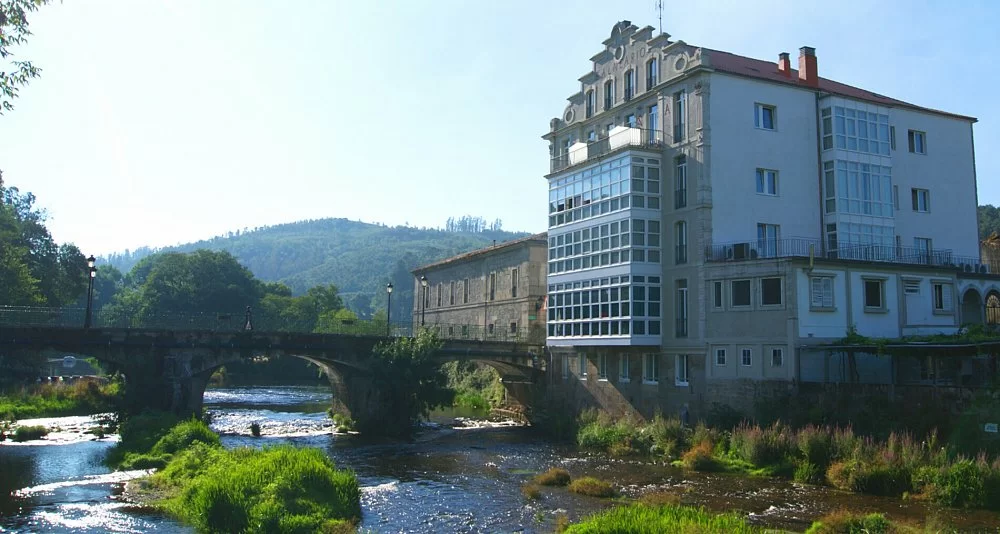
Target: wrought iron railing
(618,138)
(764,248)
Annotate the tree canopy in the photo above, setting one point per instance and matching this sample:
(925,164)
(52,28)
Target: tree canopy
(13,32)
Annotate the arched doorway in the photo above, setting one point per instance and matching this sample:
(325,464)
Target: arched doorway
(972,307)
(993,308)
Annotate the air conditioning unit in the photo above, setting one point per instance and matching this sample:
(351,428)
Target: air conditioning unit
(728,252)
(967,267)
(741,251)
(983,269)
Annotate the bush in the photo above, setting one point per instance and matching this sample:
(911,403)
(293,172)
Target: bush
(643,519)
(961,485)
(700,458)
(668,436)
(618,438)
(808,473)
(553,477)
(847,523)
(255,429)
(761,446)
(181,436)
(874,477)
(342,422)
(592,487)
(28,433)
(531,491)
(816,446)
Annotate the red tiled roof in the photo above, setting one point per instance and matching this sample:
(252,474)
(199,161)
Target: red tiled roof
(768,70)
(542,237)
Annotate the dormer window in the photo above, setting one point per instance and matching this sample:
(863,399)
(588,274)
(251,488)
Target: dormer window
(590,103)
(609,94)
(629,84)
(652,73)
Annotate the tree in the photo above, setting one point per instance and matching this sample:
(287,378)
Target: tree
(14,31)
(989,220)
(410,380)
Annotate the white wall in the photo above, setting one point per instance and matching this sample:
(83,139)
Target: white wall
(738,149)
(947,171)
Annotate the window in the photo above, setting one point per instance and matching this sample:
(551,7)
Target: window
(770,292)
(609,95)
(680,113)
(921,199)
(739,291)
(777,357)
(874,295)
(911,287)
(652,73)
(767,182)
(863,188)
(493,286)
(861,131)
(942,297)
(892,137)
(590,103)
(565,367)
(629,84)
(489,329)
(682,308)
(513,327)
(651,368)
(918,141)
(717,295)
(895,197)
(680,236)
(653,123)
(581,362)
(451,292)
(827,128)
(680,182)
(763,116)
(440,292)
(630,120)
(465,292)
(602,366)
(821,292)
(624,368)
(591,136)
(767,240)
(513,283)
(746,356)
(925,250)
(681,376)
(720,356)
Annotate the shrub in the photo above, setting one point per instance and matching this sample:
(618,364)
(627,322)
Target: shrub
(843,522)
(961,485)
(703,433)
(553,477)
(700,458)
(639,518)
(874,477)
(761,447)
(808,473)
(667,435)
(531,491)
(592,487)
(181,436)
(618,438)
(342,422)
(255,429)
(660,498)
(28,433)
(816,445)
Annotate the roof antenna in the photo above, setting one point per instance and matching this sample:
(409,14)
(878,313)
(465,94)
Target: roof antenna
(659,9)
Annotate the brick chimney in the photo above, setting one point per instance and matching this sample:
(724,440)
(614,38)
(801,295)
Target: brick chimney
(807,66)
(784,65)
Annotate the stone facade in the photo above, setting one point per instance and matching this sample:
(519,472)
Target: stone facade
(497,292)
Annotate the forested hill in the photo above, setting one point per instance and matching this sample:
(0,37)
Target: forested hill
(359,258)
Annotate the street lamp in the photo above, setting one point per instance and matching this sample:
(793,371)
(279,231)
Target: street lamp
(90,289)
(388,308)
(423,306)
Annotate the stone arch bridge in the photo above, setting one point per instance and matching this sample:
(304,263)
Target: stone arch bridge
(169,369)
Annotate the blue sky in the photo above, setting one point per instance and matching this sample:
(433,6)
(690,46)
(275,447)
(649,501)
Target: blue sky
(156,123)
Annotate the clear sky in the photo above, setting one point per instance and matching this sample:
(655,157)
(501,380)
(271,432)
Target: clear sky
(156,122)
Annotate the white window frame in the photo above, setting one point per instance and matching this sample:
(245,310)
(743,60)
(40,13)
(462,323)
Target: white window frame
(943,298)
(917,141)
(582,365)
(651,360)
(766,182)
(864,294)
(718,295)
(920,200)
(682,370)
(624,368)
(781,291)
(758,116)
(732,294)
(602,367)
(746,356)
(720,351)
(826,300)
(780,353)
(911,286)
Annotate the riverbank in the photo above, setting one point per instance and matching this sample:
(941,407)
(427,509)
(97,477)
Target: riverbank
(56,399)
(900,466)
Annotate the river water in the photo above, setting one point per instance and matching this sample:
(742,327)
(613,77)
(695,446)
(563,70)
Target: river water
(462,477)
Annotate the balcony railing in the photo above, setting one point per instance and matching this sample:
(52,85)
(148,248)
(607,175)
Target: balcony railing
(802,247)
(619,137)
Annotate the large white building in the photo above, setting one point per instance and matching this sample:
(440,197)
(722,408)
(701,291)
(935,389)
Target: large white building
(711,214)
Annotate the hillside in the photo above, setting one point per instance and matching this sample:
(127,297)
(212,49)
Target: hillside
(360,258)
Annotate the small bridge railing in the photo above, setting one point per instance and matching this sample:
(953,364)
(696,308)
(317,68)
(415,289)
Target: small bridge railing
(22,316)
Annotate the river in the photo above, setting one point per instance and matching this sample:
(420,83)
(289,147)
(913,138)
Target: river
(449,479)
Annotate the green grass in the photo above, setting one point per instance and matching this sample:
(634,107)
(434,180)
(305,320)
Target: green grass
(59,399)
(278,489)
(553,477)
(848,523)
(592,487)
(28,433)
(643,519)
(149,440)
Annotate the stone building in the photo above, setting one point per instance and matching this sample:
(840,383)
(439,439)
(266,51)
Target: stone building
(497,292)
(711,215)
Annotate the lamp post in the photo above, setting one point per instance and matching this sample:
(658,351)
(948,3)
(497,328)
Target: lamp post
(423,299)
(388,309)
(90,289)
